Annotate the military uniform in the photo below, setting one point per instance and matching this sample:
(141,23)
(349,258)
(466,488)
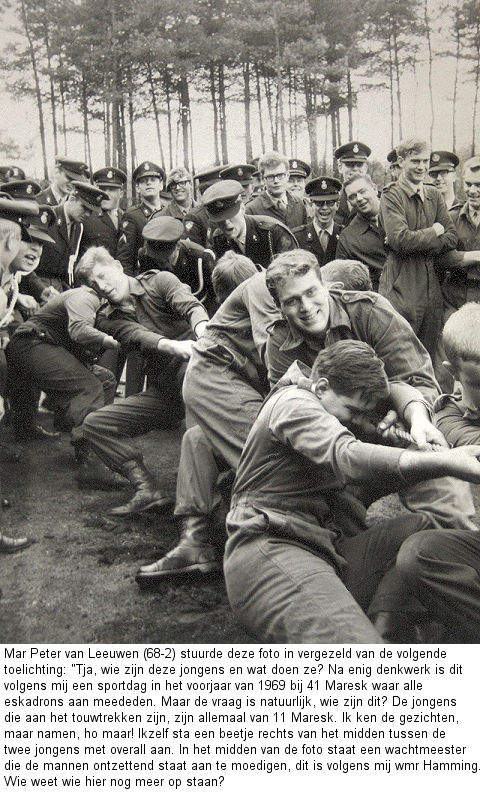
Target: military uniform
(75,170)
(54,351)
(197,226)
(307,238)
(100,229)
(294,214)
(265,239)
(159,306)
(297,540)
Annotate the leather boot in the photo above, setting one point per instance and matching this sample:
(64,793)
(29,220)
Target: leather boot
(197,551)
(11,545)
(146,496)
(93,474)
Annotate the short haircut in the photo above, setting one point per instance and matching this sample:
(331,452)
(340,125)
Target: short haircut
(461,335)
(290,263)
(353,275)
(9,227)
(229,272)
(272,160)
(350,367)
(473,164)
(96,255)
(353,178)
(411,146)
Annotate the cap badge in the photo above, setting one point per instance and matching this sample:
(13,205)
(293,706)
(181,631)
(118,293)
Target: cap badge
(218,205)
(109,174)
(29,189)
(44,217)
(355,148)
(435,158)
(323,184)
(294,164)
(146,166)
(240,172)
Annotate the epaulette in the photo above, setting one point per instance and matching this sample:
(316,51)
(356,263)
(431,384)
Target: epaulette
(444,400)
(192,247)
(352,296)
(281,322)
(299,229)
(388,186)
(456,206)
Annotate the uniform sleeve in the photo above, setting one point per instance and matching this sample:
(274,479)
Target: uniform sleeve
(82,306)
(282,240)
(195,231)
(458,430)
(341,252)
(129,244)
(301,425)
(394,341)
(180,298)
(127,331)
(277,361)
(32,285)
(401,238)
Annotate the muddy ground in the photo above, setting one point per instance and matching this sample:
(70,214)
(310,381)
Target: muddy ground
(77,583)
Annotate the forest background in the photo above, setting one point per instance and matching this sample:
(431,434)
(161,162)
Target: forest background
(204,82)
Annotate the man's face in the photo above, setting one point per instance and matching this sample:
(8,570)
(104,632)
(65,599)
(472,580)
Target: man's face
(444,180)
(182,191)
(348,167)
(276,180)
(247,191)
(471,185)
(110,282)
(114,197)
(28,257)
(304,302)
(232,227)
(469,377)
(296,185)
(77,210)
(62,181)
(12,245)
(325,210)
(363,198)
(149,187)
(415,166)
(346,409)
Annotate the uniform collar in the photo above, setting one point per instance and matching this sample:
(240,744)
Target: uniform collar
(410,189)
(319,229)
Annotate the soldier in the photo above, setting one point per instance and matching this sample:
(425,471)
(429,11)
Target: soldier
(419,231)
(159,314)
(65,172)
(258,238)
(149,179)
(320,235)
(363,238)
(276,200)
(352,158)
(298,173)
(180,185)
(394,167)
(57,263)
(13,215)
(196,221)
(102,227)
(244,175)
(442,170)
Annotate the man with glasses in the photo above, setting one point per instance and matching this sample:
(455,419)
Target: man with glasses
(180,185)
(442,171)
(276,200)
(149,179)
(320,235)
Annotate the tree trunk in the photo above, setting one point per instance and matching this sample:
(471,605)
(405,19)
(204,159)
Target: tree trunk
(349,103)
(223,112)
(430,69)
(477,82)
(131,119)
(185,119)
(455,82)
(38,92)
(397,80)
(268,96)
(168,98)
(259,103)
(50,77)
(279,80)
(213,94)
(246,105)
(155,113)
(311,115)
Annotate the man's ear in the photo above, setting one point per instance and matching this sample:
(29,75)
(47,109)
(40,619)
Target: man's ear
(320,387)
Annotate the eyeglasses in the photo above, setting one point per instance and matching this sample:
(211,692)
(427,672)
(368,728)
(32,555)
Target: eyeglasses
(442,173)
(182,183)
(271,178)
(325,202)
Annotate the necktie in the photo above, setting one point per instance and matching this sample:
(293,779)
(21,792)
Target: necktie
(324,239)
(114,218)
(475,218)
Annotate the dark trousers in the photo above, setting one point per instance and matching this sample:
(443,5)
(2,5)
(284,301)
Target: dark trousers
(77,389)
(442,569)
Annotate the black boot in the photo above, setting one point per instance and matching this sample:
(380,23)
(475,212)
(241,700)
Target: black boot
(11,545)
(93,474)
(197,551)
(146,497)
